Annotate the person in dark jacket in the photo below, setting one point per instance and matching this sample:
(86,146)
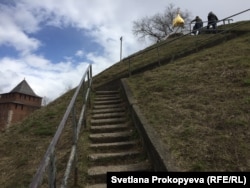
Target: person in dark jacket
(198,24)
(212,20)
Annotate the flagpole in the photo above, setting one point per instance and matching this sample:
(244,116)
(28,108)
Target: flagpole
(121,49)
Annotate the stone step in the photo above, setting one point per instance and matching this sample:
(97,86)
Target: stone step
(109,128)
(106,98)
(107,92)
(104,102)
(107,106)
(110,137)
(98,158)
(114,146)
(98,174)
(108,121)
(108,110)
(108,115)
(112,140)
(98,97)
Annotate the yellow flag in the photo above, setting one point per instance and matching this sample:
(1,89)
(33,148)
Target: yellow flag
(178,21)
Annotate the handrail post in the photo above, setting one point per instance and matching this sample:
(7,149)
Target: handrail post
(75,133)
(52,171)
(89,82)
(48,163)
(158,54)
(129,66)
(76,168)
(74,125)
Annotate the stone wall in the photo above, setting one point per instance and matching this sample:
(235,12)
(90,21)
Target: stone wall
(14,107)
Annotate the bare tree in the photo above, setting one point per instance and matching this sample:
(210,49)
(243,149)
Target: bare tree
(160,25)
(45,101)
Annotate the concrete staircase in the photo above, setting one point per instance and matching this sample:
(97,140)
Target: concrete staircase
(115,145)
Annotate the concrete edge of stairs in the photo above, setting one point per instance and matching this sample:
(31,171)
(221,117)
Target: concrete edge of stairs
(157,150)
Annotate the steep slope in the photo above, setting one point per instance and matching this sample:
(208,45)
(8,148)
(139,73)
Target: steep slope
(23,145)
(200,101)
(199,105)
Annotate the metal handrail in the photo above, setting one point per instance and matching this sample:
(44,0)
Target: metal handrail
(48,160)
(229,18)
(168,42)
(141,52)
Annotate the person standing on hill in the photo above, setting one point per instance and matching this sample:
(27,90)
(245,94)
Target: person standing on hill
(198,24)
(212,20)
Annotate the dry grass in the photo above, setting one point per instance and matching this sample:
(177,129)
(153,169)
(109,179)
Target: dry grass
(23,146)
(199,104)
(200,107)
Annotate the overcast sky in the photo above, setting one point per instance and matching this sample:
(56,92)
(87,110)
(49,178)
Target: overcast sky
(51,42)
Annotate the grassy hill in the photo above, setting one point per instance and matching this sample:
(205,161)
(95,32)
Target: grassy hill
(195,92)
(23,146)
(200,106)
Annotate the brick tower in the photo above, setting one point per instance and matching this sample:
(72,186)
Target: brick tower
(18,104)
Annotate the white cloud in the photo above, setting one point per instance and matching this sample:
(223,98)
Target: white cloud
(12,30)
(46,79)
(104,21)
(12,36)
(20,16)
(80,53)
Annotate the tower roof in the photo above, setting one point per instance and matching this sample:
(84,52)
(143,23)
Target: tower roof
(24,88)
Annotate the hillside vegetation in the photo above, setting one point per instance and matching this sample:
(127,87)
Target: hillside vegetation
(23,146)
(194,91)
(197,97)
(200,106)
